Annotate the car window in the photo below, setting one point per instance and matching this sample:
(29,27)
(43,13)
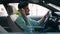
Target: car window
(37,10)
(3,11)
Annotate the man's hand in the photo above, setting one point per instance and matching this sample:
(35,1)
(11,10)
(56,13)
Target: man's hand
(46,14)
(43,18)
(23,12)
(24,16)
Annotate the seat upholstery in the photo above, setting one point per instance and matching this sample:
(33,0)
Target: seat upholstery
(11,18)
(2,29)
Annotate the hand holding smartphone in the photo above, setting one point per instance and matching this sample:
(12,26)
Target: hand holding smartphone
(23,12)
(24,16)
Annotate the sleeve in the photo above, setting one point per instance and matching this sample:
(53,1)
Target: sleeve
(34,22)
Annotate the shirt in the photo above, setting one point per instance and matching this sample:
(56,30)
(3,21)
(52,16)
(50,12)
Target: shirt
(21,23)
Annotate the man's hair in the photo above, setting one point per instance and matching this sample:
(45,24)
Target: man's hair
(22,4)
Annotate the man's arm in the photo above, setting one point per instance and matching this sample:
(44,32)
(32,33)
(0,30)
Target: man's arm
(43,18)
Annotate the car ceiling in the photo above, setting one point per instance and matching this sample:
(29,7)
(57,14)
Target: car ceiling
(40,2)
(56,2)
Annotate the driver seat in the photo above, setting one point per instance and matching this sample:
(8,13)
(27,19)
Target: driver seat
(11,18)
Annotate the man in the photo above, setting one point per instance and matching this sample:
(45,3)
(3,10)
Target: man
(24,22)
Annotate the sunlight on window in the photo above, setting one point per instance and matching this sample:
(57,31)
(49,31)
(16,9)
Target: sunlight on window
(37,10)
(3,11)
(14,4)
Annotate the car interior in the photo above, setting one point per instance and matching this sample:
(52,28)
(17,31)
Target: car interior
(8,15)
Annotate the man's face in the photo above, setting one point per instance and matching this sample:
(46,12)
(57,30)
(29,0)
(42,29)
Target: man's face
(26,10)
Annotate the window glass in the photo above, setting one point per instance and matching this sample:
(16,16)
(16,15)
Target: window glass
(37,10)
(3,11)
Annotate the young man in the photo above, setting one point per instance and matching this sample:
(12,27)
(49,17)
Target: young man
(26,23)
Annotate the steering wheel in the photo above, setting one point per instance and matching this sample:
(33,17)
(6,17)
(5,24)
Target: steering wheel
(50,24)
